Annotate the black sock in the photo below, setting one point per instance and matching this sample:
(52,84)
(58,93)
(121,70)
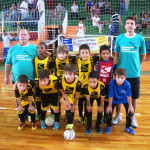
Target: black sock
(57,117)
(89,119)
(38,107)
(99,117)
(68,116)
(80,107)
(43,115)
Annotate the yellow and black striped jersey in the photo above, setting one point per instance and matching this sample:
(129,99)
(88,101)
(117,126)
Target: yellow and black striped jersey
(84,68)
(50,88)
(24,95)
(59,64)
(42,64)
(70,89)
(98,92)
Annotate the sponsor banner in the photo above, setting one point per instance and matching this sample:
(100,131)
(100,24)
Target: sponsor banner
(93,42)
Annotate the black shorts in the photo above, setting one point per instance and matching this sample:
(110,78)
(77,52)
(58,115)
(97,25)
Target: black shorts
(97,99)
(49,100)
(135,87)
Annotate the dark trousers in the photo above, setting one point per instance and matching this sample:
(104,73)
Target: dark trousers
(128,115)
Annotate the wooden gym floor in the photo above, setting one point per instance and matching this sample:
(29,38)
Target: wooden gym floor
(12,139)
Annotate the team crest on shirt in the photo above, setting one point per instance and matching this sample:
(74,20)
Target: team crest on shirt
(69,90)
(84,67)
(40,66)
(48,90)
(24,96)
(61,65)
(94,94)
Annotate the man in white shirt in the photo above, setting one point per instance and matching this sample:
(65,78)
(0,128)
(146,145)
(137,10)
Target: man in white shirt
(74,10)
(24,10)
(40,7)
(6,40)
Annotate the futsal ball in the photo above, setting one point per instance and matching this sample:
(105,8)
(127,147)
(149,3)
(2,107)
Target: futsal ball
(69,134)
(49,120)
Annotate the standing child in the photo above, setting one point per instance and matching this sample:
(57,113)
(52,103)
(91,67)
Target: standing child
(104,67)
(119,92)
(41,62)
(70,89)
(46,89)
(85,64)
(60,59)
(24,93)
(94,90)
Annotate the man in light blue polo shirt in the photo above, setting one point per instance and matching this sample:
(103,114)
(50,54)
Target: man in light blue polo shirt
(20,58)
(130,52)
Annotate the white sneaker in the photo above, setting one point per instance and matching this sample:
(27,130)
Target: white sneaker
(116,119)
(134,123)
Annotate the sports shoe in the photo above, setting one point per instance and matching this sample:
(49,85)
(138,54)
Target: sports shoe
(85,120)
(21,126)
(134,123)
(130,130)
(56,126)
(88,130)
(80,120)
(107,130)
(37,118)
(29,118)
(69,126)
(34,127)
(116,119)
(43,125)
(98,129)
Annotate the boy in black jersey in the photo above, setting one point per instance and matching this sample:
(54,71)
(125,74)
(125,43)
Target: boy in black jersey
(24,93)
(41,62)
(46,89)
(70,88)
(94,90)
(85,64)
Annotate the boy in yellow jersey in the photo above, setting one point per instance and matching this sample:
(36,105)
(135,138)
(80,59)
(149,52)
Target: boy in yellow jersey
(94,90)
(61,58)
(46,89)
(70,88)
(41,62)
(23,94)
(85,64)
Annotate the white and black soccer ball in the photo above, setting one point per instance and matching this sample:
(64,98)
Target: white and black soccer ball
(49,120)
(69,134)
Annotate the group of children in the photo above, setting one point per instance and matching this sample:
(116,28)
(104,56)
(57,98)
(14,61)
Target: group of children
(73,79)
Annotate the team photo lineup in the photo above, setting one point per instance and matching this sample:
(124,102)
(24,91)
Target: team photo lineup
(75,85)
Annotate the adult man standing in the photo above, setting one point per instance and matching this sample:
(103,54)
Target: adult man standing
(20,58)
(130,51)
